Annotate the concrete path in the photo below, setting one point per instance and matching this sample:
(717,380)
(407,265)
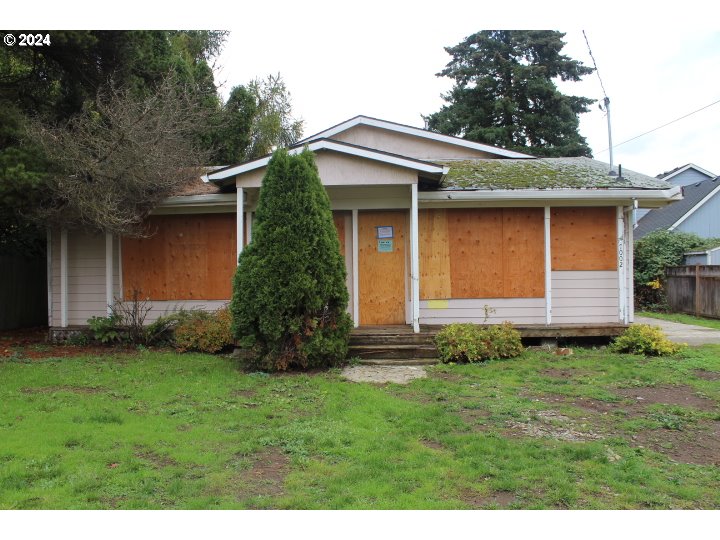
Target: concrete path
(383,374)
(683,333)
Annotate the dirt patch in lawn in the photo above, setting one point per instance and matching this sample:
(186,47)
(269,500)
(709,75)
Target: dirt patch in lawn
(63,388)
(707,375)
(588,404)
(684,396)
(157,460)
(700,445)
(266,476)
(568,373)
(552,425)
(493,499)
(432,444)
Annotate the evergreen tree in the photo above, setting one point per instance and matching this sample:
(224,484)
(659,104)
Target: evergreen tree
(289,295)
(504,94)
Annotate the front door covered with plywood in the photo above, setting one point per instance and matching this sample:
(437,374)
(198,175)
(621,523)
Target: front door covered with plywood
(381,266)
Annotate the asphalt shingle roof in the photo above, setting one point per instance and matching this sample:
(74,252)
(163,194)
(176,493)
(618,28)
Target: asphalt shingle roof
(662,218)
(542,173)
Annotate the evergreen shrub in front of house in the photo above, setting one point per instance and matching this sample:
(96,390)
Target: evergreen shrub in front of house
(647,340)
(467,342)
(289,295)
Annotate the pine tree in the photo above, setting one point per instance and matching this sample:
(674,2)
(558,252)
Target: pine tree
(504,94)
(289,295)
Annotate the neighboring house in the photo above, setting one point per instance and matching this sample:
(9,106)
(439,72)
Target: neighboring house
(680,176)
(698,212)
(711,256)
(434,229)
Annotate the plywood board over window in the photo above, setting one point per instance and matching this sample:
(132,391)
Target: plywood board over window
(482,253)
(583,238)
(188,257)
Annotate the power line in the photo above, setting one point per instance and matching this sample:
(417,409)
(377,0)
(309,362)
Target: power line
(664,125)
(595,64)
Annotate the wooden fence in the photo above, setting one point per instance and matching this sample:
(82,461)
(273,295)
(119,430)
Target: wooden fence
(694,290)
(23,291)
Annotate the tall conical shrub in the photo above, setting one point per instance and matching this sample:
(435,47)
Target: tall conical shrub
(289,295)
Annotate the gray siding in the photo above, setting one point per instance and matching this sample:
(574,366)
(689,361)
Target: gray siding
(516,310)
(685,178)
(705,221)
(584,297)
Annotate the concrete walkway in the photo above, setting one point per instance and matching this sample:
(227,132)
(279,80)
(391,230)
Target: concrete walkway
(683,333)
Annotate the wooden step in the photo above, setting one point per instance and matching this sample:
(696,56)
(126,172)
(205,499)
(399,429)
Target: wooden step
(403,339)
(398,362)
(392,351)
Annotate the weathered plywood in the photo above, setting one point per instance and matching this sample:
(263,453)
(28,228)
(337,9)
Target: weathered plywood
(187,257)
(475,240)
(382,276)
(523,253)
(434,254)
(584,238)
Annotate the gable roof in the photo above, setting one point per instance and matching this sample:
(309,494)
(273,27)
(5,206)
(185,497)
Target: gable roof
(410,130)
(694,196)
(335,146)
(667,175)
(543,173)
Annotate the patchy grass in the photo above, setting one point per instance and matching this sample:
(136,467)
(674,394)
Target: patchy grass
(682,318)
(162,430)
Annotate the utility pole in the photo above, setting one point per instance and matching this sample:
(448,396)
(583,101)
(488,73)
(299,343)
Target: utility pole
(606,101)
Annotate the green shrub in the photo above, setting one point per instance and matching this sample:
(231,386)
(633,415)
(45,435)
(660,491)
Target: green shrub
(467,342)
(289,294)
(645,339)
(203,331)
(106,329)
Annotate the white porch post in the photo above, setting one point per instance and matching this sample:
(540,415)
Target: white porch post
(630,264)
(548,269)
(621,264)
(109,272)
(355,266)
(49,277)
(415,258)
(63,278)
(240,224)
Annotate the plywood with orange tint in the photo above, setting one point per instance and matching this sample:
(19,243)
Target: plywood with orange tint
(583,238)
(189,257)
(475,241)
(382,276)
(434,254)
(523,253)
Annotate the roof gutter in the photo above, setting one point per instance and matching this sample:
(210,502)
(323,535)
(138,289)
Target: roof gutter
(661,196)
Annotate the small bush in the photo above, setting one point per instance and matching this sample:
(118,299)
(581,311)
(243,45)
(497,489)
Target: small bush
(645,339)
(203,331)
(466,342)
(106,329)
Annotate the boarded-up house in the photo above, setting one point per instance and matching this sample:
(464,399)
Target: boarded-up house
(434,229)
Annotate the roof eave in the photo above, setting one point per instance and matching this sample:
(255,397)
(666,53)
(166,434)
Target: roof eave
(659,197)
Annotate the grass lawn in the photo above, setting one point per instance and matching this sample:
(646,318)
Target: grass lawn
(682,318)
(161,430)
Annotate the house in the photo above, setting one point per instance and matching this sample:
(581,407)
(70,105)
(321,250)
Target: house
(434,229)
(686,175)
(698,212)
(707,257)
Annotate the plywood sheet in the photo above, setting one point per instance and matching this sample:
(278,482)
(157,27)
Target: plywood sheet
(382,276)
(583,238)
(189,257)
(523,253)
(434,254)
(475,241)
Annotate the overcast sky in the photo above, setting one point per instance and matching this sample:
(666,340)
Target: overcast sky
(379,58)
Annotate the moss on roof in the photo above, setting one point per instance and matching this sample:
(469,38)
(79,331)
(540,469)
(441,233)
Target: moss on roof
(542,173)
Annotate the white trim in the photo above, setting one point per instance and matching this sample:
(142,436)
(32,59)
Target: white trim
(109,272)
(121,292)
(414,258)
(621,264)
(63,278)
(548,269)
(49,277)
(211,199)
(658,195)
(355,269)
(685,168)
(239,215)
(630,266)
(694,208)
(408,163)
(417,132)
